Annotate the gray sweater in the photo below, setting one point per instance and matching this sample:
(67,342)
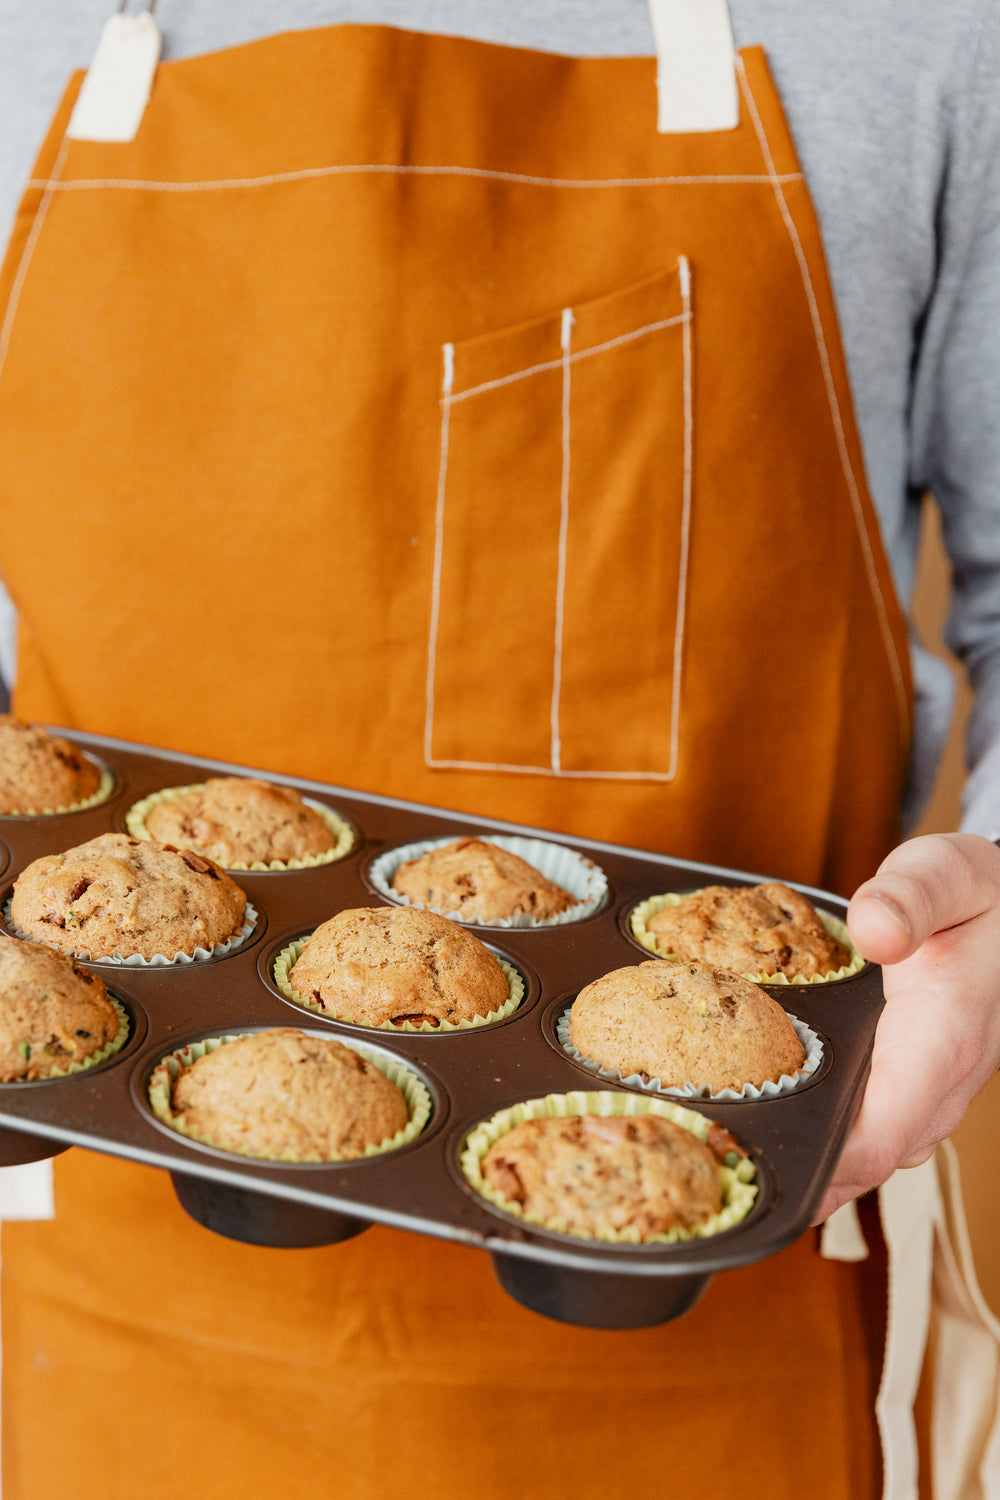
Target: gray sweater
(895,108)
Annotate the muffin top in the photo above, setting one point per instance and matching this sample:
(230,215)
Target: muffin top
(52,1012)
(116,895)
(596,1174)
(397,963)
(39,770)
(237,820)
(685,1023)
(479,882)
(759,929)
(287,1094)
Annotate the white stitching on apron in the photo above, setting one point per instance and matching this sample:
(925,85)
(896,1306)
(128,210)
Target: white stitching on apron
(890,646)
(28,251)
(305,174)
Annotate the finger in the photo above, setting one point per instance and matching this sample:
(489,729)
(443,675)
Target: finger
(924,886)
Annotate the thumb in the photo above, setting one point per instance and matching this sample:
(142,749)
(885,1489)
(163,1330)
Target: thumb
(924,886)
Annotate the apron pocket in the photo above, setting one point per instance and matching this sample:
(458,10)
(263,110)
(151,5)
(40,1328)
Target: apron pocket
(562,521)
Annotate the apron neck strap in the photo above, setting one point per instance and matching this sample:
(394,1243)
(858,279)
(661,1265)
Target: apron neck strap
(696,74)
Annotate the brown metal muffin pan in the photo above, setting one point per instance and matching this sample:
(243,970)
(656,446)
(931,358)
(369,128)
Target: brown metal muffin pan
(794,1140)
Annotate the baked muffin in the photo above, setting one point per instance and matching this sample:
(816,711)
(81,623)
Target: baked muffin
(685,1023)
(283,1093)
(239,820)
(760,929)
(52,1012)
(381,964)
(479,882)
(119,896)
(596,1174)
(39,770)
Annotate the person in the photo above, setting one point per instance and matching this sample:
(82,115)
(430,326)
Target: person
(387,365)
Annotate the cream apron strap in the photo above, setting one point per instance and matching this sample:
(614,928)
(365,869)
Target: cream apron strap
(910,1208)
(26,1193)
(965,1422)
(696,72)
(115,92)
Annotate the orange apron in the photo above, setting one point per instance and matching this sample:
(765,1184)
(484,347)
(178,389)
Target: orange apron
(413,416)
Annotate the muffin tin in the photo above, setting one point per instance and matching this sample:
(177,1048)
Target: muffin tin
(793,1140)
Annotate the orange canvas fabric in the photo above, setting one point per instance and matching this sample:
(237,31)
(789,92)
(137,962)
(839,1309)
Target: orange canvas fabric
(405,412)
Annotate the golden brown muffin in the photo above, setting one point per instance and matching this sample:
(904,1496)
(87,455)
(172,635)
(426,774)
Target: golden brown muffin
(39,770)
(397,964)
(685,1023)
(239,820)
(116,895)
(759,929)
(287,1094)
(596,1174)
(479,882)
(52,1012)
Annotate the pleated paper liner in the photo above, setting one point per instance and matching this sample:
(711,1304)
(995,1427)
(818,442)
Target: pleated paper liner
(786,1084)
(340,831)
(418,1101)
(290,955)
(641,914)
(564,867)
(104,790)
(101,1055)
(159,960)
(738,1187)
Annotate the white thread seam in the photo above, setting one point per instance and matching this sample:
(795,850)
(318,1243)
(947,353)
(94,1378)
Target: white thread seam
(448,378)
(684,272)
(567,359)
(21,273)
(566,336)
(557,364)
(838,425)
(307,174)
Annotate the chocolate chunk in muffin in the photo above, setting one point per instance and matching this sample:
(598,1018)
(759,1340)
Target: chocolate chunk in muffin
(119,896)
(393,964)
(479,882)
(685,1023)
(761,929)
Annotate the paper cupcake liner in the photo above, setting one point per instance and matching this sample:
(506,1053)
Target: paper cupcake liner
(564,867)
(159,960)
(641,914)
(418,1101)
(738,1187)
(342,832)
(101,1055)
(290,955)
(104,790)
(786,1084)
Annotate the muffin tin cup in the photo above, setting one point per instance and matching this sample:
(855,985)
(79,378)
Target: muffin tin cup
(159,960)
(290,955)
(168,1069)
(640,915)
(812,1045)
(341,831)
(250,1217)
(573,872)
(738,1188)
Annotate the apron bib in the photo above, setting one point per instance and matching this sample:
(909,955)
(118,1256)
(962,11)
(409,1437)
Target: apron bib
(413,416)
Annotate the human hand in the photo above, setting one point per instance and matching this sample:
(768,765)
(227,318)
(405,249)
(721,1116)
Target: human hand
(931,918)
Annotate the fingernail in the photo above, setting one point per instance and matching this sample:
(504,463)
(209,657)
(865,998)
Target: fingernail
(897,913)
